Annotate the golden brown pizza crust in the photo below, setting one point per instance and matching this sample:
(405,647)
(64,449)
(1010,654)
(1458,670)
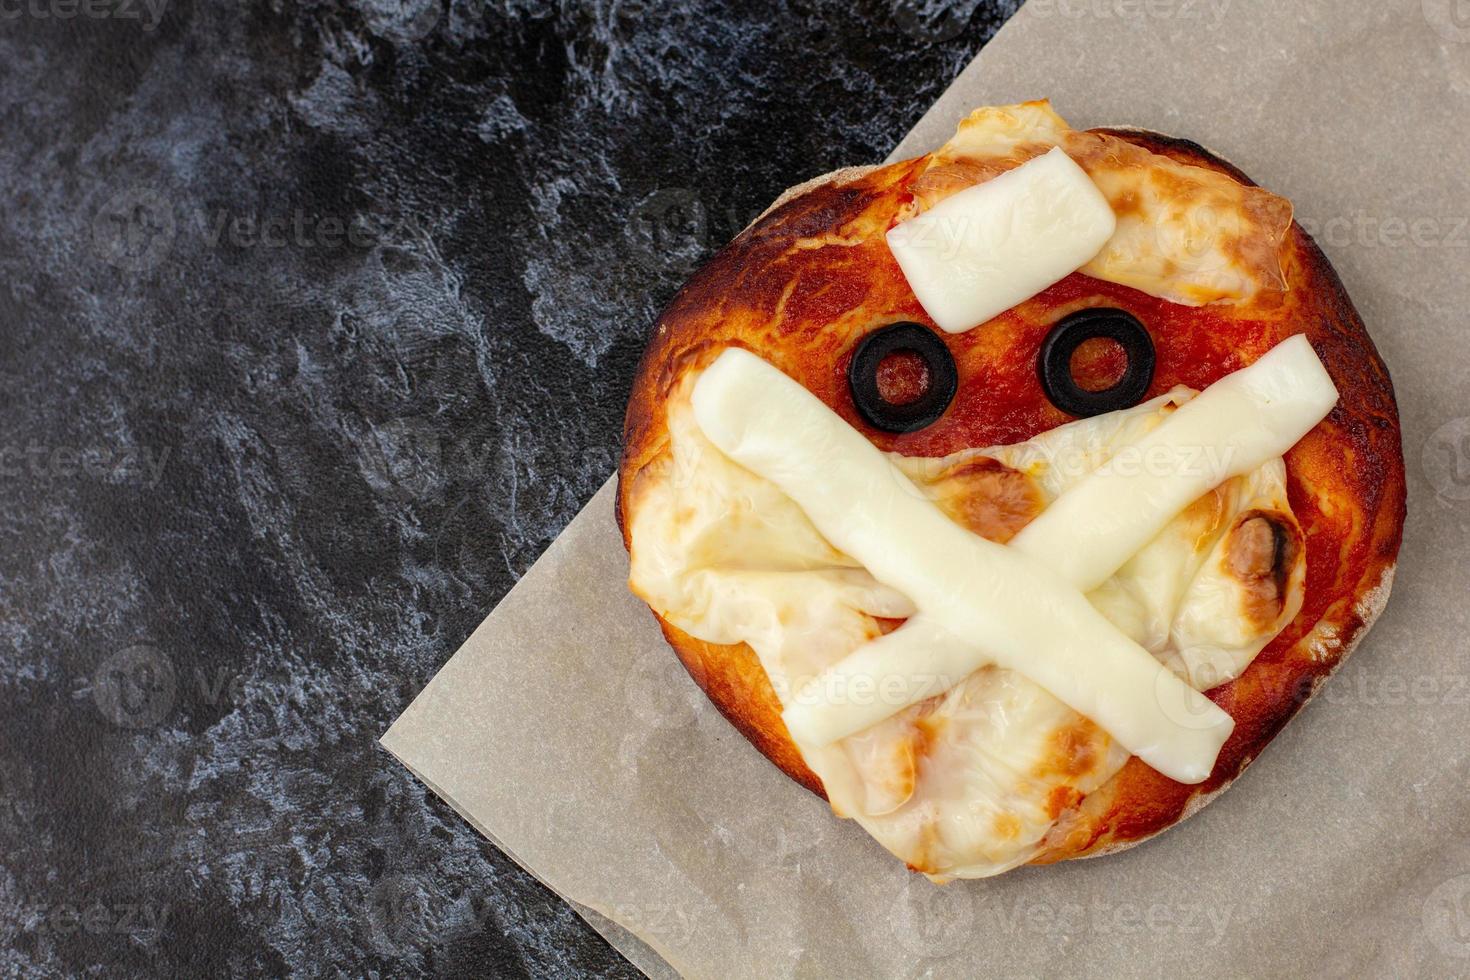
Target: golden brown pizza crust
(813,274)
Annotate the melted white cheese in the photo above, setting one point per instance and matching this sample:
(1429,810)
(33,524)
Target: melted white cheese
(1009,608)
(985,249)
(969,783)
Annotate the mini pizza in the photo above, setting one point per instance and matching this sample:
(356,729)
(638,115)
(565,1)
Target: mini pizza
(1014,497)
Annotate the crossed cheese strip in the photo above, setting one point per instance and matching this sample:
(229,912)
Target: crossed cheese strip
(1020,606)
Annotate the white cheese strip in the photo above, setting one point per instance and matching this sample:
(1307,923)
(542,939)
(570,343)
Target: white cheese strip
(983,250)
(1232,427)
(1023,615)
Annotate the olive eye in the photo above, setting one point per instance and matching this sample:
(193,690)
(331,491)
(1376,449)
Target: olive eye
(1055,362)
(902,377)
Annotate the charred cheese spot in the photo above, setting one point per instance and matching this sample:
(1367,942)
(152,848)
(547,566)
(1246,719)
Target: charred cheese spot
(1061,799)
(1203,518)
(1071,751)
(903,769)
(1260,553)
(1127,203)
(928,728)
(923,860)
(988,497)
(886,626)
(1007,826)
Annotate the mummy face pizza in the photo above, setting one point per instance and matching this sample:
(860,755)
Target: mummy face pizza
(1014,497)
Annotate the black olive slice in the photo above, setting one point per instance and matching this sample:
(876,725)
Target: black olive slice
(933,398)
(1055,362)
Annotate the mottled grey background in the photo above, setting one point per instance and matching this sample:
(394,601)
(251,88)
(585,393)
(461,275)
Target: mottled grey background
(316,324)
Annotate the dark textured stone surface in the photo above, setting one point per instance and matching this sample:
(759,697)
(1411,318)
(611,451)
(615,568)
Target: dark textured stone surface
(316,324)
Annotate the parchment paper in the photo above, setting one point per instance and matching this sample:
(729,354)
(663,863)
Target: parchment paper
(566,731)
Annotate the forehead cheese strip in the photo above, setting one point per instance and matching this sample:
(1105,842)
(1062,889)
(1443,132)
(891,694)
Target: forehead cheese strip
(1184,233)
(1024,616)
(987,248)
